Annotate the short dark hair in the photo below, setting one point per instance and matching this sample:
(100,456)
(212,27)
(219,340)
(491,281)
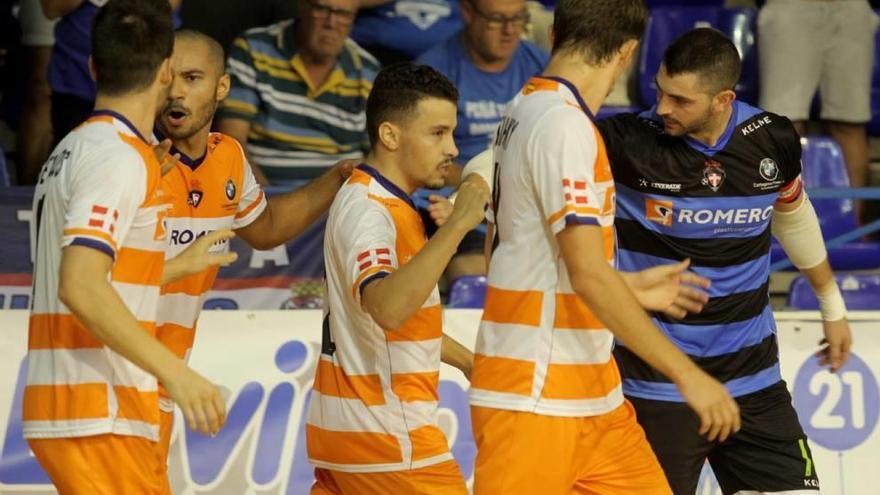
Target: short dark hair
(130,40)
(707,53)
(597,28)
(397,91)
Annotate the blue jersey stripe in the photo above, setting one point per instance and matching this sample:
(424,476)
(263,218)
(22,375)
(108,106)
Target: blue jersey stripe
(725,280)
(717,340)
(669,392)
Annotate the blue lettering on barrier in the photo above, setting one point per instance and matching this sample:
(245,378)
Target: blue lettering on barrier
(208,456)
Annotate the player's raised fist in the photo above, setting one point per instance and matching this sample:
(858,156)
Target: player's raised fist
(470,203)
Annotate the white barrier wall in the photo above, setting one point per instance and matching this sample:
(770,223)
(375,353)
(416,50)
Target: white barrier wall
(264,362)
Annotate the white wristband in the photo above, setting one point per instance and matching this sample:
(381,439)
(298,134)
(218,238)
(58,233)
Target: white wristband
(831,305)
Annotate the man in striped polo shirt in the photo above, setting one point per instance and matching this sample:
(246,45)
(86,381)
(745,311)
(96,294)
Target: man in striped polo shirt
(299,90)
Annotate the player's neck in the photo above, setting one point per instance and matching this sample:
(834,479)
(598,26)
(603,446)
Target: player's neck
(389,169)
(716,127)
(196,145)
(593,83)
(139,109)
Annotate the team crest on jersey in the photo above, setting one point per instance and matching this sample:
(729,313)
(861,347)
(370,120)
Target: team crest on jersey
(230,189)
(195,197)
(768,169)
(713,175)
(658,211)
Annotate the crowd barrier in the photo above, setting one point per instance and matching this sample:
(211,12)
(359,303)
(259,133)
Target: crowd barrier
(264,362)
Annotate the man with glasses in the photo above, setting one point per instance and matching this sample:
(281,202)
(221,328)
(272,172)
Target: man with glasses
(299,90)
(488,63)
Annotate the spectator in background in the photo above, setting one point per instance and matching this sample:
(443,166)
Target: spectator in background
(488,63)
(35,130)
(299,93)
(73,89)
(72,86)
(398,30)
(829,45)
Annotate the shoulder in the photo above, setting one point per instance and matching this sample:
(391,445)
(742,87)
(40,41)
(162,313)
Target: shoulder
(443,55)
(361,59)
(755,122)
(357,207)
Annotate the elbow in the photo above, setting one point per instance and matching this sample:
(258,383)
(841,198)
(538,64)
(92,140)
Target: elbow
(70,293)
(589,285)
(384,318)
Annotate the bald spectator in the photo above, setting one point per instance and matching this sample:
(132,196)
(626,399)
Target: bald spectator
(299,93)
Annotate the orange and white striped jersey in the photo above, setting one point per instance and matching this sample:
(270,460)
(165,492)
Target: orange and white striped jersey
(215,192)
(539,348)
(101,188)
(374,401)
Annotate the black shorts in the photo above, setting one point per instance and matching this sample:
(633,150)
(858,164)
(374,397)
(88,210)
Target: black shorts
(769,454)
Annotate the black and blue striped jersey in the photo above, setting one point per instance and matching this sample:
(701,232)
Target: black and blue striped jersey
(678,198)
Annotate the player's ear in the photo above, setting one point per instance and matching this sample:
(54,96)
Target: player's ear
(389,135)
(724,99)
(165,75)
(223,86)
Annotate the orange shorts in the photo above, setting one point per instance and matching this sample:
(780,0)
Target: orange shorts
(102,465)
(440,479)
(533,454)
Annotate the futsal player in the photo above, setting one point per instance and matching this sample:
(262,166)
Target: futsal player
(91,413)
(548,410)
(705,177)
(372,425)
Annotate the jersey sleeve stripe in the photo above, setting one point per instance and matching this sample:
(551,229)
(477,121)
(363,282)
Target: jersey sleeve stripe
(93,244)
(92,233)
(252,206)
(572,210)
(368,276)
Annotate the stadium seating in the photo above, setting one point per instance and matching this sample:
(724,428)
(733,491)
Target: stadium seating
(874,125)
(4,171)
(467,292)
(824,167)
(861,292)
(669,22)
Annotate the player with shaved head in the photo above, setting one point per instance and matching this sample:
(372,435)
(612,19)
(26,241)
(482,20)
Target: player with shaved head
(214,189)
